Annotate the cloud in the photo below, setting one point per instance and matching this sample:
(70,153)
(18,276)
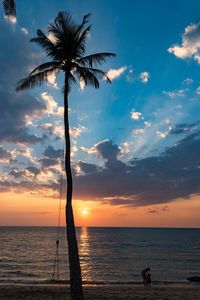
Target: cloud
(135,115)
(158,209)
(11,19)
(162,134)
(138,131)
(54,130)
(15,113)
(33,170)
(24,30)
(91,150)
(125,148)
(160,179)
(16,173)
(147,124)
(17,109)
(188,81)
(183,128)
(190,45)
(50,152)
(86,168)
(52,80)
(144,77)
(52,160)
(5,155)
(107,150)
(82,84)
(77,131)
(51,105)
(133,76)
(48,162)
(25,152)
(52,37)
(104,149)
(115,73)
(175,93)
(198,91)
(155,180)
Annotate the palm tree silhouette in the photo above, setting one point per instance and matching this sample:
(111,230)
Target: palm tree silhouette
(9,8)
(67,51)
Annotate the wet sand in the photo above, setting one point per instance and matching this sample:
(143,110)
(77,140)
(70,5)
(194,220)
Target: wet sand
(136,292)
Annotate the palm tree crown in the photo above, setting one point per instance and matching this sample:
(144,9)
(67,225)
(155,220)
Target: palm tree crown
(67,50)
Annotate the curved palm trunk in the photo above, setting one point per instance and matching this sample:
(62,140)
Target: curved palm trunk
(74,263)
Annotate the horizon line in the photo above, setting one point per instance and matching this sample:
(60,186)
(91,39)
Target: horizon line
(135,227)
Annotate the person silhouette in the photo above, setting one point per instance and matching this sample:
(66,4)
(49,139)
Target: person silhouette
(146,275)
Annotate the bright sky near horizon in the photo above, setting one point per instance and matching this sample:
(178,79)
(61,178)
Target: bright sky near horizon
(135,143)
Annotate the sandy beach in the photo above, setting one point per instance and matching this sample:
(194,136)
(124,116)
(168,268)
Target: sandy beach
(136,292)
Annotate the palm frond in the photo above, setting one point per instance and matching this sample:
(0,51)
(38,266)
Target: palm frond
(81,26)
(63,26)
(43,41)
(81,42)
(85,19)
(95,59)
(72,78)
(80,36)
(87,76)
(9,8)
(34,80)
(100,74)
(64,21)
(46,66)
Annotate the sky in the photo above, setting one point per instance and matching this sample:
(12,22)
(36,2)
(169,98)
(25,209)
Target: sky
(135,142)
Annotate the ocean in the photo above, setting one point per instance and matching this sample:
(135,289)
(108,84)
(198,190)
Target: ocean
(107,255)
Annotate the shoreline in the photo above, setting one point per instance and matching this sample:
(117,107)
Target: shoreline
(102,284)
(185,291)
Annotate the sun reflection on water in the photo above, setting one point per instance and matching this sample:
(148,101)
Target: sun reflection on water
(84,251)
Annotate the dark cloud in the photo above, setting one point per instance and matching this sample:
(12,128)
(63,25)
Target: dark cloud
(35,171)
(160,179)
(107,150)
(5,154)
(34,187)
(158,209)
(16,173)
(87,168)
(48,162)
(50,152)
(16,109)
(183,128)
(156,180)
(53,157)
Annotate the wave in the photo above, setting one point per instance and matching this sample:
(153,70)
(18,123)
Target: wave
(85,282)
(19,273)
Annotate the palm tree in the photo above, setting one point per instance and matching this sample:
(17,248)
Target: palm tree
(9,8)
(67,53)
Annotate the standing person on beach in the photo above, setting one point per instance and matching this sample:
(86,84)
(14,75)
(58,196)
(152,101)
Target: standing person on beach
(146,277)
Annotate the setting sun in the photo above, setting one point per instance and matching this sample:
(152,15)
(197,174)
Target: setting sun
(85,212)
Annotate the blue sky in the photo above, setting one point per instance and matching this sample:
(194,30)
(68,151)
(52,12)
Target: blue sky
(150,112)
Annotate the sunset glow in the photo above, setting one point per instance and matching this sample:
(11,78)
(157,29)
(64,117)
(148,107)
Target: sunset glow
(85,212)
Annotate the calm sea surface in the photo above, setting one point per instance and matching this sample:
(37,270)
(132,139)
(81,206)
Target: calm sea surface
(107,254)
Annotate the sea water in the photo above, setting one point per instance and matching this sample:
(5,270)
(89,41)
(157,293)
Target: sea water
(107,255)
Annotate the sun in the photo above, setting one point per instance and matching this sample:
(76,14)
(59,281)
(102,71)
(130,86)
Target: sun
(85,212)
